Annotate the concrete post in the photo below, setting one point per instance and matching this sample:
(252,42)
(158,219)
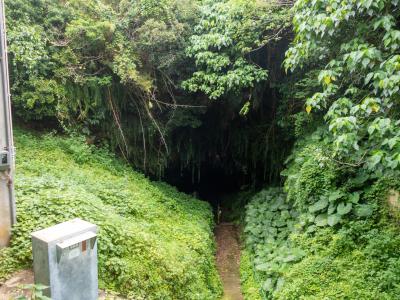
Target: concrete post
(7,204)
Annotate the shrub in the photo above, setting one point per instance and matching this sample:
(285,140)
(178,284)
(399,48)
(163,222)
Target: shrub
(154,242)
(333,235)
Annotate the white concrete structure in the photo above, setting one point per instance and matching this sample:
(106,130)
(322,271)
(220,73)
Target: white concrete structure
(7,203)
(65,260)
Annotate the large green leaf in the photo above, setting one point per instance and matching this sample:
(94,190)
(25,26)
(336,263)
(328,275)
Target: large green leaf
(262,267)
(363,210)
(311,229)
(334,219)
(285,214)
(344,208)
(331,208)
(360,179)
(272,231)
(354,198)
(321,220)
(335,195)
(319,205)
(279,283)
(268,285)
(290,258)
(277,204)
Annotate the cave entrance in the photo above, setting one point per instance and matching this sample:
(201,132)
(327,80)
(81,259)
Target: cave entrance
(236,152)
(214,184)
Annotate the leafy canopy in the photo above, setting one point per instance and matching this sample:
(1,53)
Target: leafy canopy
(355,45)
(223,43)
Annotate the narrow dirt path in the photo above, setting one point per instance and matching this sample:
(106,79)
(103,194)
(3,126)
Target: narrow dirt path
(228,259)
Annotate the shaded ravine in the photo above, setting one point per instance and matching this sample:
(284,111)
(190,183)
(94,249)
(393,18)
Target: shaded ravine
(228,260)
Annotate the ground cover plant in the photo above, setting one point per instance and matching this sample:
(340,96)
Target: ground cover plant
(154,242)
(329,234)
(250,285)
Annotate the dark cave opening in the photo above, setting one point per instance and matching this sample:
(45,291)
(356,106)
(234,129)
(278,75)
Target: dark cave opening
(229,152)
(214,183)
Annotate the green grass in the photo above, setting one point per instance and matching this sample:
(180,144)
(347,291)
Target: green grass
(154,242)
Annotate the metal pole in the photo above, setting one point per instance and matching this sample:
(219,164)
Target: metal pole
(7,201)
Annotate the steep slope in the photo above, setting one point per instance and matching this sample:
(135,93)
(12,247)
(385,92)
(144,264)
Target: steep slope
(154,242)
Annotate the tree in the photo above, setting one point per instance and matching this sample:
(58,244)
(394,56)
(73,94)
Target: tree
(355,45)
(225,39)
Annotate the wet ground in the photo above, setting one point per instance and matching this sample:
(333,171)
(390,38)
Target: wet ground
(228,260)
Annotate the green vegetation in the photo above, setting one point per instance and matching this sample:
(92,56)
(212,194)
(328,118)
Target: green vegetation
(359,74)
(330,234)
(269,221)
(154,242)
(250,287)
(293,105)
(227,33)
(36,291)
(137,75)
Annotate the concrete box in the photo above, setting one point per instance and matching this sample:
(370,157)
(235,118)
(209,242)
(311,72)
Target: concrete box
(65,260)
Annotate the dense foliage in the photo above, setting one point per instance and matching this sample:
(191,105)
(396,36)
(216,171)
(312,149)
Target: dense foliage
(154,242)
(139,74)
(249,284)
(197,90)
(86,66)
(354,45)
(330,234)
(269,221)
(339,178)
(229,31)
